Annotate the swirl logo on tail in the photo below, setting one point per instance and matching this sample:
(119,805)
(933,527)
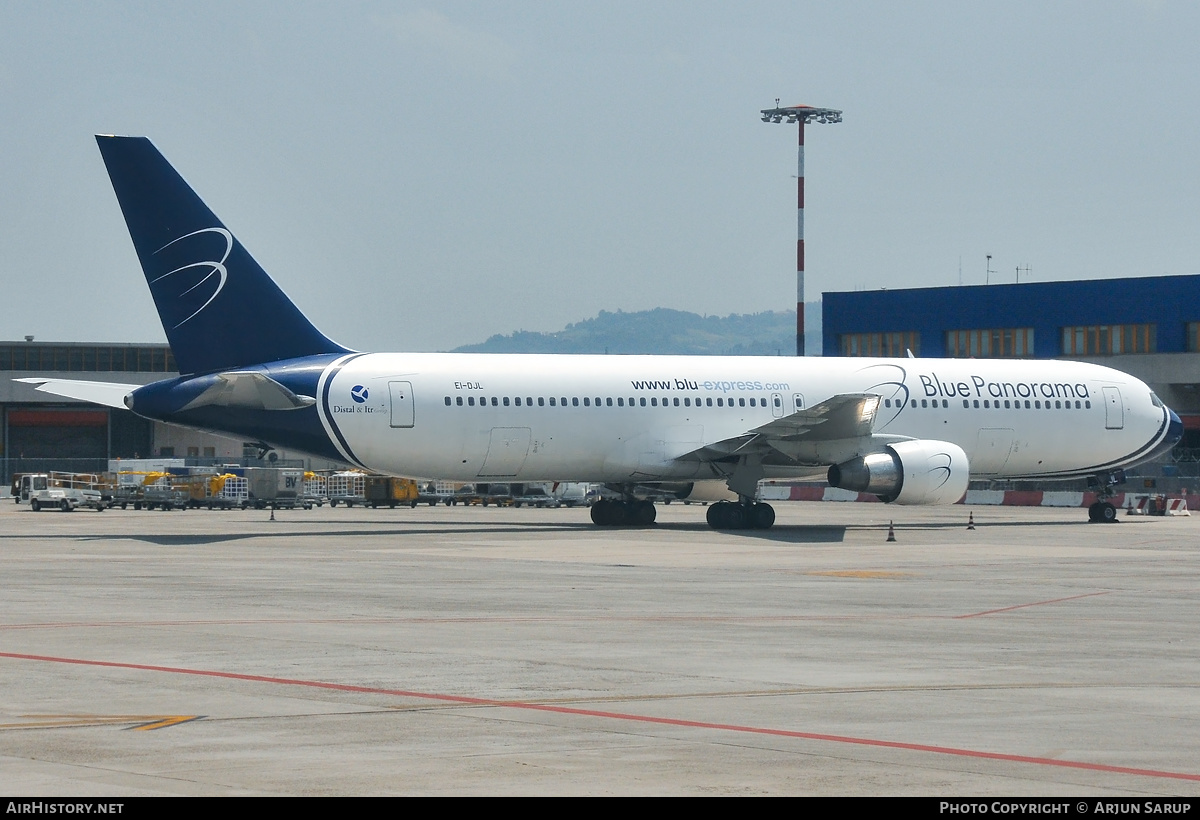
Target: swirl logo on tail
(207,270)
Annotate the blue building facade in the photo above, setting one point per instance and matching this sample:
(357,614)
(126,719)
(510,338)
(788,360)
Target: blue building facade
(1079,319)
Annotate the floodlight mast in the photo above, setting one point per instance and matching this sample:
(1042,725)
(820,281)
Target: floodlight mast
(800,114)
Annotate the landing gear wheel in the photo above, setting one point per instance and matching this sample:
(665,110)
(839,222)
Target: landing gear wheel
(764,516)
(726,515)
(1102,512)
(600,515)
(607,513)
(644,513)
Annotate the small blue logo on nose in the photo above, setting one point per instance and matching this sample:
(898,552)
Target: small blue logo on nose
(358,393)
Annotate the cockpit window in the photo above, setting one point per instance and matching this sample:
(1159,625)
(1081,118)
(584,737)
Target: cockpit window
(1156,400)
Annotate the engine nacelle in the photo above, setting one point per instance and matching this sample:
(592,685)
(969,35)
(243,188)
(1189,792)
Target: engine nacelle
(908,472)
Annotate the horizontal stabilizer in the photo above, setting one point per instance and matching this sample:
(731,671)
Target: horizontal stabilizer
(106,393)
(250,390)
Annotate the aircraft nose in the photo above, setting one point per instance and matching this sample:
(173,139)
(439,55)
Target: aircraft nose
(1172,437)
(1174,428)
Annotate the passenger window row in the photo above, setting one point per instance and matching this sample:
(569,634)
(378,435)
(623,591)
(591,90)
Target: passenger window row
(587,401)
(994,404)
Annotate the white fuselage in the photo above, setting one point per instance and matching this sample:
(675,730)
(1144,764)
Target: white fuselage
(636,418)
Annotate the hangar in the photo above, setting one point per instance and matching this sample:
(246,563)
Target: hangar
(40,432)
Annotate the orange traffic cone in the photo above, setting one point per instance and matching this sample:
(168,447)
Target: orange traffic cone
(971,520)
(891,532)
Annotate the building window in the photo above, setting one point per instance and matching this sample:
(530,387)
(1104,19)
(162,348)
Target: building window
(995,343)
(1109,340)
(881,344)
(1193,337)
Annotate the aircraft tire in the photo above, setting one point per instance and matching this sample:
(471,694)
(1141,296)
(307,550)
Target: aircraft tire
(1107,513)
(599,513)
(725,515)
(619,514)
(763,516)
(643,513)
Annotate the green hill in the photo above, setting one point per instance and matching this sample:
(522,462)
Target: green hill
(659,331)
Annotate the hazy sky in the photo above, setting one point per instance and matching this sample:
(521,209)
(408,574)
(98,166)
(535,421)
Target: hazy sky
(422,175)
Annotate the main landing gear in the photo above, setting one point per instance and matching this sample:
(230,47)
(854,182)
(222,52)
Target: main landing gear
(629,512)
(741,515)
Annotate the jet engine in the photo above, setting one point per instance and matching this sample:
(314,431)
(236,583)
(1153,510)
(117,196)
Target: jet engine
(907,472)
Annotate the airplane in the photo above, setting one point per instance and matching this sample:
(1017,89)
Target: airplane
(911,430)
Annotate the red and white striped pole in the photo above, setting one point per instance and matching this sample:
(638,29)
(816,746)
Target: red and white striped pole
(800,244)
(800,114)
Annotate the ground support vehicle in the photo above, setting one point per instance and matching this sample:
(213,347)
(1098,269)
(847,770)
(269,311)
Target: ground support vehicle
(386,490)
(575,494)
(533,495)
(436,492)
(129,490)
(59,491)
(217,492)
(465,495)
(348,487)
(233,491)
(316,489)
(275,487)
(499,494)
(164,491)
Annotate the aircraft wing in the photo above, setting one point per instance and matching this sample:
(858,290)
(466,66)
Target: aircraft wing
(108,394)
(846,417)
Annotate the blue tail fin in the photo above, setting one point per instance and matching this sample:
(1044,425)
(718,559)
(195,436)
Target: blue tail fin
(219,308)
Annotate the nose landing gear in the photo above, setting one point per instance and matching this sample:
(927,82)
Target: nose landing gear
(1103,511)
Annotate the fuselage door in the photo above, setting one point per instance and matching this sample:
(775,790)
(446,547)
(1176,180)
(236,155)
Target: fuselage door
(403,414)
(506,453)
(777,405)
(992,449)
(1114,411)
